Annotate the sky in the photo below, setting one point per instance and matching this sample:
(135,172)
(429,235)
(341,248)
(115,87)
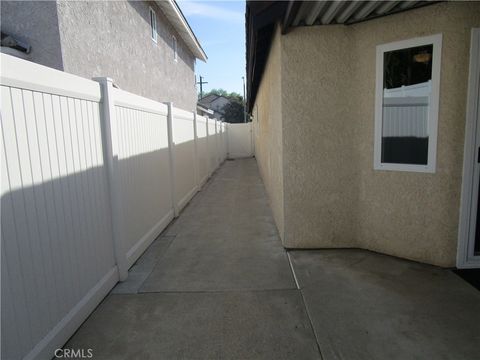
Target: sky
(220,28)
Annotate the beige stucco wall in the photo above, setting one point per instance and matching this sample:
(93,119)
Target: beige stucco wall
(415,215)
(319,158)
(332,195)
(267,124)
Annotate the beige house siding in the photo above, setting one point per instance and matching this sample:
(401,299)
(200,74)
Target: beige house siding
(415,215)
(333,197)
(267,122)
(319,158)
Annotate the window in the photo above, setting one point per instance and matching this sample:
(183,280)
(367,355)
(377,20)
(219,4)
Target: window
(153,25)
(406,104)
(174,46)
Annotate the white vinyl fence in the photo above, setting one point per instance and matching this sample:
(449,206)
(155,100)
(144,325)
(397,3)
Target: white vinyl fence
(212,143)
(405,110)
(184,157)
(90,177)
(240,140)
(203,169)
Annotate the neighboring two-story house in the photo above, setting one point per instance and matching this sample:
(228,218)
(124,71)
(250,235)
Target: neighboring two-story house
(147,48)
(215,103)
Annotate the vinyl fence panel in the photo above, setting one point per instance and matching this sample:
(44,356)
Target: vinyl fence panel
(212,145)
(90,176)
(202,151)
(143,170)
(57,258)
(224,141)
(183,132)
(219,143)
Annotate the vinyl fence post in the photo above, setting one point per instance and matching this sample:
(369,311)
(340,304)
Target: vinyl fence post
(227,141)
(209,167)
(195,138)
(171,157)
(110,151)
(216,145)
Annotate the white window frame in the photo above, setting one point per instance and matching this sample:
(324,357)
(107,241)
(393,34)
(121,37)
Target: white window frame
(436,41)
(175,48)
(153,25)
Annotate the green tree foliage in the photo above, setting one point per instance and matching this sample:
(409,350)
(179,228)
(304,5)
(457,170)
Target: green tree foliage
(233,111)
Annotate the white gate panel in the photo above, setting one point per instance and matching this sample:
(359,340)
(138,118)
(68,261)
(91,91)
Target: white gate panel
(239,140)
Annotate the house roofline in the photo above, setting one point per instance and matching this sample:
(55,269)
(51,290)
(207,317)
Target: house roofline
(217,96)
(173,12)
(204,109)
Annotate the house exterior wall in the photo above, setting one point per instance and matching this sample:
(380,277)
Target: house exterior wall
(115,41)
(217,106)
(36,24)
(319,158)
(415,215)
(332,195)
(268,140)
(219,103)
(106,38)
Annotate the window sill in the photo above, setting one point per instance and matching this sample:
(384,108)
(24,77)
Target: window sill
(405,167)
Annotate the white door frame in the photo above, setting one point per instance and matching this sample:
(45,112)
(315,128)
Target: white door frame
(471,166)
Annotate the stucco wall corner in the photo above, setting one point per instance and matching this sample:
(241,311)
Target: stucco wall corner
(415,215)
(333,197)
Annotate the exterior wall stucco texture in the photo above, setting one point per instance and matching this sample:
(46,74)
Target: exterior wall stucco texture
(36,24)
(115,41)
(319,162)
(267,124)
(415,215)
(332,195)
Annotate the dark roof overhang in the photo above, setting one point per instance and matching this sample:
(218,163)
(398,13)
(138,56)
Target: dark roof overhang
(260,22)
(263,16)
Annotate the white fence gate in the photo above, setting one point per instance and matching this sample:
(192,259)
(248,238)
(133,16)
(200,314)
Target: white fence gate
(240,140)
(90,177)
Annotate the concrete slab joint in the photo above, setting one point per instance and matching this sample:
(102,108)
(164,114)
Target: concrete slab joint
(217,284)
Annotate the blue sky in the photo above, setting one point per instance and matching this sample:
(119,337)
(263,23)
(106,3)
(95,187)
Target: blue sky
(220,28)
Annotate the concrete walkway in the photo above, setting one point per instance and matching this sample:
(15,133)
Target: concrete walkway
(218,285)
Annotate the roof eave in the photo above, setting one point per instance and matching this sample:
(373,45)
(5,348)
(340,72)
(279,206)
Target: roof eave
(180,23)
(204,109)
